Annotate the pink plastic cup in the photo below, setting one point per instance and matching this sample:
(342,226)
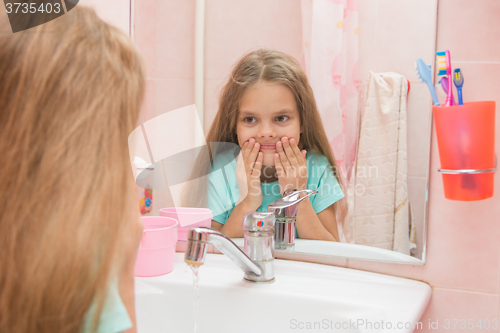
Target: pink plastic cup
(157,249)
(188,218)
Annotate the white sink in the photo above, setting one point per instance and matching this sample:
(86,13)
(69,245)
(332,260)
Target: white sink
(304,297)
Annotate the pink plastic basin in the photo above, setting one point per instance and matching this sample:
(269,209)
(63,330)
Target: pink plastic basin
(157,249)
(188,218)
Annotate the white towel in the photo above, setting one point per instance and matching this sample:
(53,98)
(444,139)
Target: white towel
(379,208)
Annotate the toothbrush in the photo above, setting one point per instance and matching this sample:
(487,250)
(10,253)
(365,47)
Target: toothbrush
(443,64)
(467,181)
(458,79)
(444,88)
(424,73)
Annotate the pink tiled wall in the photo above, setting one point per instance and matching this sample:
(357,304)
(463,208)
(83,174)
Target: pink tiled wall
(164,33)
(234,27)
(115,12)
(463,247)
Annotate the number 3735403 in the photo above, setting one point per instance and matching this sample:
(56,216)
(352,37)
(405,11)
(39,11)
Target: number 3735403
(32,8)
(471,324)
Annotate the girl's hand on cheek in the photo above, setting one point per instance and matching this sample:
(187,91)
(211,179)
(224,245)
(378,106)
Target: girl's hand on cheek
(291,165)
(248,169)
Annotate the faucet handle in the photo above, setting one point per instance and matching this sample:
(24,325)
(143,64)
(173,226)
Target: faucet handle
(288,205)
(259,243)
(257,221)
(293,195)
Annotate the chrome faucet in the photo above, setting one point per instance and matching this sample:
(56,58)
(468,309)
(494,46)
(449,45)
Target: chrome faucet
(258,259)
(285,212)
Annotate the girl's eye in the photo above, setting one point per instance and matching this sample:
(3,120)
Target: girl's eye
(282,118)
(249,120)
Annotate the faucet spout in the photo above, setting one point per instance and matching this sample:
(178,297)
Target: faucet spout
(198,240)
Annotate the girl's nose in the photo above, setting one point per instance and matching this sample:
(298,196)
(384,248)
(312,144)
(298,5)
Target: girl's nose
(267,131)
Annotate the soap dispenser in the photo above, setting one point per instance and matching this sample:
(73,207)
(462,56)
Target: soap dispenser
(285,212)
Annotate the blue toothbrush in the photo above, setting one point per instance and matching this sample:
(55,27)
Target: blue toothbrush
(424,73)
(458,79)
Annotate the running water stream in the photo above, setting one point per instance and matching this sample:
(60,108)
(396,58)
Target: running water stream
(196,286)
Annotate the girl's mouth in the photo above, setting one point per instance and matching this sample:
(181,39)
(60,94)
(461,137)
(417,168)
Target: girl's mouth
(267,147)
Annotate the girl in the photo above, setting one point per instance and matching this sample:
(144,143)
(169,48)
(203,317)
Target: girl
(70,94)
(267,109)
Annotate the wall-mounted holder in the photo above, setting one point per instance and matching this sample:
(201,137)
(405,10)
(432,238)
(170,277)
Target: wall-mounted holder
(466,141)
(470,171)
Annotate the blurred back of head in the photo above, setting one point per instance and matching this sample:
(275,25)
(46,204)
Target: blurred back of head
(70,93)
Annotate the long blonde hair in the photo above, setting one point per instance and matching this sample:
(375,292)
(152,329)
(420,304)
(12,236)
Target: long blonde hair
(70,94)
(276,67)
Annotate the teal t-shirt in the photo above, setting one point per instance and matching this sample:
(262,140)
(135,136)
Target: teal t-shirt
(114,316)
(223,190)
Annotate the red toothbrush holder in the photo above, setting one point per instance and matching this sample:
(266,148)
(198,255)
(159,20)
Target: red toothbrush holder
(466,142)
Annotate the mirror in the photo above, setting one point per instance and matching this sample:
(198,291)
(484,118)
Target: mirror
(231,28)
